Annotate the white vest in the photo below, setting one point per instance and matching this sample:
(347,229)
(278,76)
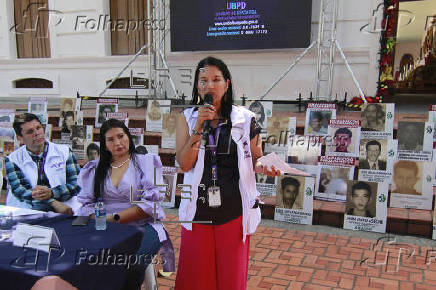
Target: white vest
(241,121)
(55,166)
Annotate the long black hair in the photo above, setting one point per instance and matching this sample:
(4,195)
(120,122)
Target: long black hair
(227,100)
(106,157)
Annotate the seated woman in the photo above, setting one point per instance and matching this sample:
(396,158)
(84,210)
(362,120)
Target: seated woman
(111,177)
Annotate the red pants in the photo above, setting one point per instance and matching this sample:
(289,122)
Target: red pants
(213,257)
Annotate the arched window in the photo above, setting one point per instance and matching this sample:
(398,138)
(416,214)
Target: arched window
(32,83)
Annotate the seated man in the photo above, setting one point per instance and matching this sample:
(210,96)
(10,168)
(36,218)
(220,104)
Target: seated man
(42,175)
(360,199)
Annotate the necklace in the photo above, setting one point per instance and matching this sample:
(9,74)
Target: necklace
(121,165)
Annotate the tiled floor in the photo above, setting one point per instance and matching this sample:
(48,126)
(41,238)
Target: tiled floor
(288,259)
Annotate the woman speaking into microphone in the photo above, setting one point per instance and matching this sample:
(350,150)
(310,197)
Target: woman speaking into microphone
(220,209)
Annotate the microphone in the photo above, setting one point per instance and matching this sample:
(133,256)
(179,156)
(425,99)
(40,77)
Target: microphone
(208,100)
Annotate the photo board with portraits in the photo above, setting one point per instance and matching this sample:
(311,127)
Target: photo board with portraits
(412,184)
(318,116)
(376,159)
(262,111)
(68,110)
(332,176)
(344,138)
(366,206)
(169,125)
(415,141)
(167,196)
(378,121)
(154,115)
(103,107)
(294,200)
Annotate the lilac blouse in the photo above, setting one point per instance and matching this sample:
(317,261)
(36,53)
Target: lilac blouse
(140,178)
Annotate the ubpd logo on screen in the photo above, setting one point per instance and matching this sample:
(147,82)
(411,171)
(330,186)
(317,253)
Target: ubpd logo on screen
(236,5)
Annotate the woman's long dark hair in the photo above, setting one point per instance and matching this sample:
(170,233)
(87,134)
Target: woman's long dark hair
(106,157)
(227,100)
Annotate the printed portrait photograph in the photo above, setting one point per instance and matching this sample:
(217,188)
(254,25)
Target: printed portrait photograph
(304,150)
(103,110)
(92,151)
(257,108)
(373,117)
(263,178)
(78,137)
(361,198)
(411,136)
(68,119)
(68,105)
(333,180)
(168,179)
(407,177)
(169,123)
(153,110)
(7,146)
(290,192)
(344,140)
(7,133)
(276,130)
(318,122)
(373,154)
(37,108)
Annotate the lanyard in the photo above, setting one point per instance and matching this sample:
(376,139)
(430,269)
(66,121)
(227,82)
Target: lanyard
(42,164)
(213,143)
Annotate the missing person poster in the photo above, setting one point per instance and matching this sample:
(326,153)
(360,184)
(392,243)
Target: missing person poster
(103,107)
(432,119)
(366,206)
(137,136)
(152,149)
(79,136)
(67,108)
(332,177)
(318,116)
(120,116)
(304,150)
(415,141)
(376,159)
(277,135)
(378,121)
(294,201)
(37,105)
(412,185)
(7,131)
(168,195)
(344,138)
(262,110)
(169,124)
(266,185)
(7,115)
(153,118)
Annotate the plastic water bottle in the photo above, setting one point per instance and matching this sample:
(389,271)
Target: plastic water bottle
(100,215)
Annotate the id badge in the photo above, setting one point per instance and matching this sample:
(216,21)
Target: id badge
(214,196)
